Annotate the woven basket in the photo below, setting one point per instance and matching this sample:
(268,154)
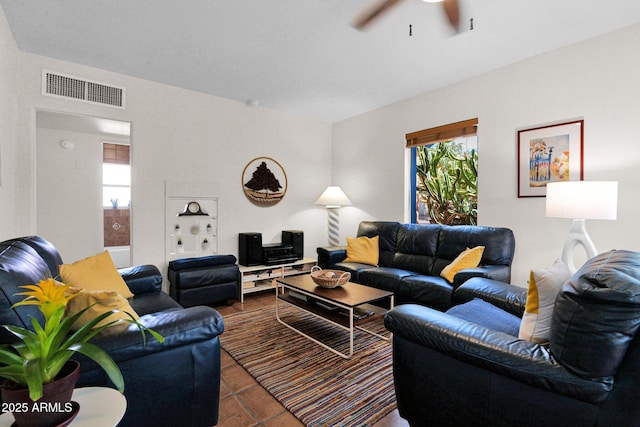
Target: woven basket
(329,278)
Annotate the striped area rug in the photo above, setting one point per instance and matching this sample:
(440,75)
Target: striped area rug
(319,387)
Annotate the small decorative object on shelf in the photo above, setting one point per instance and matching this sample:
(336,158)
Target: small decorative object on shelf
(192,208)
(191,219)
(329,278)
(114,203)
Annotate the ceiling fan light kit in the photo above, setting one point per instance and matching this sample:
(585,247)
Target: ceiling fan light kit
(451,10)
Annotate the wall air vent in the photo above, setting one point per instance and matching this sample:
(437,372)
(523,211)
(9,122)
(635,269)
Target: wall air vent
(65,86)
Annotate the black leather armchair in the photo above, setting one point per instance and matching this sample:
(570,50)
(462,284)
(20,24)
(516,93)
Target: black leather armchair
(172,383)
(451,369)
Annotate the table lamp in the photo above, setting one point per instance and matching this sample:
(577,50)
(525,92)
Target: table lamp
(581,200)
(332,198)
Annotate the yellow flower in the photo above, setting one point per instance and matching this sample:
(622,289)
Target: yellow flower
(48,295)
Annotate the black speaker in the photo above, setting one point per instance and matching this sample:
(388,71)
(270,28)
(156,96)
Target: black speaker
(250,249)
(294,238)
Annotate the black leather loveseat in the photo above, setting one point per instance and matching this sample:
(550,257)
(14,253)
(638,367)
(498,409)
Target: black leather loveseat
(468,368)
(412,256)
(166,384)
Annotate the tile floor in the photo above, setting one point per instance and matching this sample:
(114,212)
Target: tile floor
(244,402)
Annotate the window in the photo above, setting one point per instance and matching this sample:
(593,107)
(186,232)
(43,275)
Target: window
(444,174)
(116,176)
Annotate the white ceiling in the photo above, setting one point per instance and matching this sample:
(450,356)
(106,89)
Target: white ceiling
(302,56)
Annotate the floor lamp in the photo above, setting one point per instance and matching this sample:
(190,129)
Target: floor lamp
(332,198)
(581,200)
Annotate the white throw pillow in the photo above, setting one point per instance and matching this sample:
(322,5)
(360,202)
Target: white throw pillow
(544,286)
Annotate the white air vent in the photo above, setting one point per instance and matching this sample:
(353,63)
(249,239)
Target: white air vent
(65,86)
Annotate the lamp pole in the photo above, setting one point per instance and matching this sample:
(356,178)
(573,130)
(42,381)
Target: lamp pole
(332,198)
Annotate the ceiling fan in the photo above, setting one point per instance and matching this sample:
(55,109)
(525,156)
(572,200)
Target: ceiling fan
(451,10)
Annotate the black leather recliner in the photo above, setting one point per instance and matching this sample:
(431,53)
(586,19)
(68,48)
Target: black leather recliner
(166,384)
(453,371)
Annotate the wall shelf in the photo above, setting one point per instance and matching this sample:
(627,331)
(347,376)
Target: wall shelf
(190,236)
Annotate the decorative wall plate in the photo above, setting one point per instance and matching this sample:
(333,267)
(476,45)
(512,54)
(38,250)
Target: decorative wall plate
(264,181)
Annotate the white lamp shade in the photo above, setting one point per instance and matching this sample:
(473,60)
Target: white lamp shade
(333,196)
(582,199)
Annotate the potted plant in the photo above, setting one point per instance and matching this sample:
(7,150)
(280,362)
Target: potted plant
(35,361)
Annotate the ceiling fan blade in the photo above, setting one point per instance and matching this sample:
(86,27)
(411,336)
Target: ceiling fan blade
(371,14)
(452,11)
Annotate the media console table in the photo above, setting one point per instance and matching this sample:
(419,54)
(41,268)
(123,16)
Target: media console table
(260,277)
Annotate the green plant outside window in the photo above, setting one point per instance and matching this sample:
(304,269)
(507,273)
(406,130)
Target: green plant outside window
(446,182)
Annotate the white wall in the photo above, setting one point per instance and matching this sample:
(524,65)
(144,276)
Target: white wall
(8,115)
(177,135)
(597,80)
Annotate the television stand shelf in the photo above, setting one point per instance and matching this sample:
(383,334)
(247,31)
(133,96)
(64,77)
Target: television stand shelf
(260,277)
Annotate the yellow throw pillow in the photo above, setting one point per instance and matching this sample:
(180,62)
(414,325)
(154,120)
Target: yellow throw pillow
(96,273)
(544,286)
(469,258)
(363,250)
(102,301)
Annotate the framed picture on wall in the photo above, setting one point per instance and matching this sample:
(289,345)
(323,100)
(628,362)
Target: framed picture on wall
(547,154)
(264,181)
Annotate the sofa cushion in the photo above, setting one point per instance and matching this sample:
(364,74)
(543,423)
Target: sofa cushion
(430,291)
(153,302)
(45,249)
(416,248)
(544,286)
(597,314)
(499,244)
(99,302)
(387,232)
(385,278)
(205,261)
(20,265)
(354,268)
(363,250)
(488,315)
(95,273)
(469,258)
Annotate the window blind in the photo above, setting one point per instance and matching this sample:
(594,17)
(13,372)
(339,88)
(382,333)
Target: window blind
(442,133)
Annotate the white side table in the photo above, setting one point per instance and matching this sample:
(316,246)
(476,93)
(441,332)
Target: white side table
(99,407)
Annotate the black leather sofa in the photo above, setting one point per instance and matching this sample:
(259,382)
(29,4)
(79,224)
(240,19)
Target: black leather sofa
(173,383)
(466,368)
(412,256)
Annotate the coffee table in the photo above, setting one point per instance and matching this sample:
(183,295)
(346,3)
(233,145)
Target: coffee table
(336,306)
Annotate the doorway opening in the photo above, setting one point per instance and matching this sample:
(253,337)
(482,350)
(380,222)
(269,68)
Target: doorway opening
(116,200)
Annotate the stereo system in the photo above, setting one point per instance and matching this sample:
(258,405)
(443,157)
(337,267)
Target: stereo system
(252,252)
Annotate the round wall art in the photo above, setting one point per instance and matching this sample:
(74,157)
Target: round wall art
(264,181)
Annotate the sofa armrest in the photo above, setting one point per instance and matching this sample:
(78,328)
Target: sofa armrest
(142,278)
(508,297)
(179,327)
(490,350)
(501,273)
(330,255)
